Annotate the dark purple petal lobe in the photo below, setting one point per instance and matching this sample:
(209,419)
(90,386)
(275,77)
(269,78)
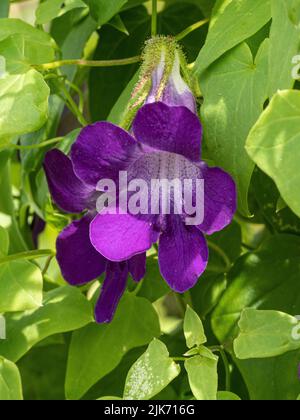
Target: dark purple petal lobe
(80,263)
(119,237)
(171,129)
(220,201)
(112,290)
(137,267)
(183,255)
(101,151)
(68,191)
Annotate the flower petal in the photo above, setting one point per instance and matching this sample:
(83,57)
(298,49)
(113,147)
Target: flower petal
(80,263)
(183,255)
(171,129)
(137,267)
(119,237)
(112,290)
(220,201)
(101,151)
(68,191)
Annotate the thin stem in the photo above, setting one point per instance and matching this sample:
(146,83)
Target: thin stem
(47,265)
(190,29)
(88,63)
(28,255)
(227,369)
(154,18)
(248,247)
(222,254)
(73,106)
(179,359)
(138,288)
(80,94)
(34,146)
(221,350)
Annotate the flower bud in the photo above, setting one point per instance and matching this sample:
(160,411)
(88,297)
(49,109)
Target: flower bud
(168,65)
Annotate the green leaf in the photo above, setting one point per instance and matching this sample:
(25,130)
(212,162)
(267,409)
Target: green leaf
(154,286)
(117,114)
(266,279)
(102,10)
(232,22)
(207,292)
(4,242)
(284,42)
(231,109)
(16,92)
(2,66)
(21,43)
(50,9)
(135,324)
(43,371)
(64,309)
(4,8)
(279,218)
(273,145)
(10,381)
(117,23)
(218,244)
(272,379)
(151,373)
(203,377)
(227,396)
(21,286)
(7,210)
(47,11)
(266,334)
(193,329)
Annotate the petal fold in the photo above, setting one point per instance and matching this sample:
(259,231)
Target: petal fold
(137,267)
(80,263)
(101,151)
(112,290)
(220,201)
(172,129)
(68,191)
(183,255)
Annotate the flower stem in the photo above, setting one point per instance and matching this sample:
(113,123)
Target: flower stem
(222,254)
(221,350)
(191,29)
(138,288)
(154,18)
(88,63)
(47,265)
(34,146)
(73,106)
(28,255)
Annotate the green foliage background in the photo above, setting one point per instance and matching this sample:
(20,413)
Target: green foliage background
(235,335)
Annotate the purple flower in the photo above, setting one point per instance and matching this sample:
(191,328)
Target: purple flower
(79,261)
(166,143)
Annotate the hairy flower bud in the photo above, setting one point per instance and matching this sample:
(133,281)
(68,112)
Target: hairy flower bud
(167,78)
(164,77)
